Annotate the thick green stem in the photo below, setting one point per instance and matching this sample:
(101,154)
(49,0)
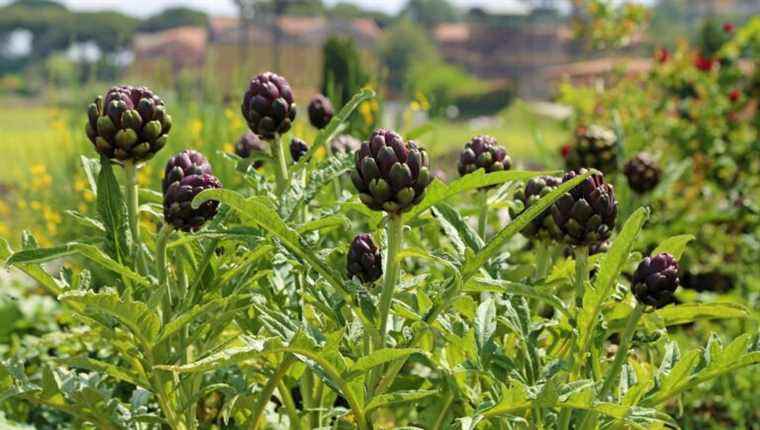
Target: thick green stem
(617,362)
(441,420)
(266,393)
(581,274)
(290,406)
(392,274)
(281,165)
(163,236)
(482,213)
(131,188)
(543,259)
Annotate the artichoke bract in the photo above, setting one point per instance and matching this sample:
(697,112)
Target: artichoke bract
(247,145)
(542,226)
(345,143)
(483,152)
(128,124)
(594,148)
(179,194)
(390,174)
(298,149)
(187,163)
(268,105)
(320,111)
(656,280)
(364,260)
(642,173)
(585,215)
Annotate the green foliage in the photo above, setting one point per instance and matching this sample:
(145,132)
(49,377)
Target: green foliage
(405,44)
(173,17)
(430,13)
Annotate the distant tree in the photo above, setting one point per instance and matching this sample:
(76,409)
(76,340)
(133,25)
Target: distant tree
(343,73)
(405,44)
(172,18)
(430,12)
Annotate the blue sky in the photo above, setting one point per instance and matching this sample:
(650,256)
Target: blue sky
(227,7)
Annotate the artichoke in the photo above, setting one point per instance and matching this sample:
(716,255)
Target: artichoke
(542,226)
(268,105)
(390,174)
(298,149)
(345,143)
(248,144)
(585,216)
(483,152)
(320,111)
(594,148)
(642,173)
(656,280)
(181,190)
(364,260)
(128,124)
(186,163)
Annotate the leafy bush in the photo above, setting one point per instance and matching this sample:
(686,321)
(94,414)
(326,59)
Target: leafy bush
(183,317)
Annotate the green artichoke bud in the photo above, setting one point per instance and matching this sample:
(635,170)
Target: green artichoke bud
(656,280)
(390,174)
(594,148)
(642,173)
(178,198)
(129,123)
(186,163)
(483,152)
(543,226)
(586,215)
(268,105)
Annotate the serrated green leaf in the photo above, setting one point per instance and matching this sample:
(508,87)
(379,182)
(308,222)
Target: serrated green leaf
(378,358)
(541,292)
(332,221)
(690,312)
(101,258)
(112,209)
(447,215)
(485,322)
(116,372)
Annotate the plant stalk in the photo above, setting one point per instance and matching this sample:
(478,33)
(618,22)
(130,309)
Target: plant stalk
(131,188)
(483,213)
(266,393)
(617,363)
(392,274)
(163,236)
(281,165)
(581,274)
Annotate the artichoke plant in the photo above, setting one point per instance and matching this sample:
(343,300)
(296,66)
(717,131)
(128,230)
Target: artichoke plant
(298,149)
(642,173)
(364,260)
(390,174)
(585,216)
(543,226)
(187,175)
(656,280)
(249,144)
(128,124)
(268,105)
(187,163)
(483,152)
(594,148)
(320,111)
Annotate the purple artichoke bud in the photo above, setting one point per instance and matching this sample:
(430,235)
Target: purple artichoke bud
(182,188)
(320,111)
(268,105)
(483,152)
(187,163)
(594,148)
(298,149)
(364,260)
(543,226)
(656,280)
(345,144)
(128,123)
(586,215)
(249,144)
(390,174)
(642,173)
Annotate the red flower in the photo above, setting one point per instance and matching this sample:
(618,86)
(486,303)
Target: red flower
(734,95)
(703,63)
(565,150)
(662,55)
(729,27)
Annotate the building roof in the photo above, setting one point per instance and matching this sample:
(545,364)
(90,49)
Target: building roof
(183,46)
